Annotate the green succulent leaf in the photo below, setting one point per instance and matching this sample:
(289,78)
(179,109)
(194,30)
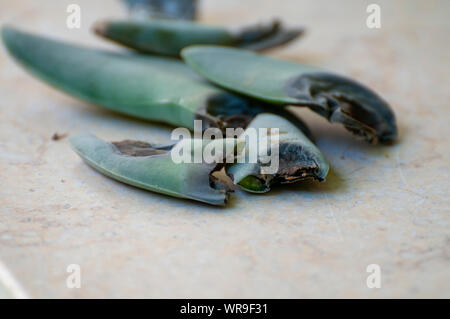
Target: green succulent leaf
(153,88)
(169,37)
(152,168)
(298,158)
(281,82)
(147,87)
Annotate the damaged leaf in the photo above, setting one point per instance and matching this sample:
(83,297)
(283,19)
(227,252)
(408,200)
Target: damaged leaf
(151,167)
(298,158)
(166,90)
(169,37)
(334,97)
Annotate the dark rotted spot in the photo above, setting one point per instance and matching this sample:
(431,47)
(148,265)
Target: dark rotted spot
(137,148)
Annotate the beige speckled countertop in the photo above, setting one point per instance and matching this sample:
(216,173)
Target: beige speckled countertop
(380,205)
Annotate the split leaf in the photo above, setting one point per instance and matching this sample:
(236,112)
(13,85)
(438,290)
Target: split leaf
(296,158)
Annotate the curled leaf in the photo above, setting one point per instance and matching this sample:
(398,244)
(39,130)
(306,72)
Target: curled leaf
(281,82)
(297,158)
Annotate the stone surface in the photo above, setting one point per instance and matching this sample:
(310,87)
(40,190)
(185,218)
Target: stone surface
(380,205)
